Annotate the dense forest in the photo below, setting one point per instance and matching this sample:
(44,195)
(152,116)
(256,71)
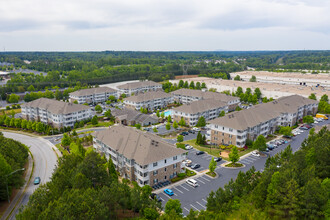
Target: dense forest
(292,186)
(13,156)
(64,69)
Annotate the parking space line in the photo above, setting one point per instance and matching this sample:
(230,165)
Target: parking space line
(184,188)
(186,209)
(201,205)
(204,200)
(178,190)
(194,207)
(161,199)
(200,181)
(205,179)
(167,196)
(190,186)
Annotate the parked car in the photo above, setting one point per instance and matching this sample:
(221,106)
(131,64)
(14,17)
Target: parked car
(191,131)
(156,197)
(195,166)
(168,192)
(270,147)
(303,128)
(188,147)
(184,133)
(217,159)
(200,152)
(187,163)
(37,180)
(196,129)
(255,154)
(192,182)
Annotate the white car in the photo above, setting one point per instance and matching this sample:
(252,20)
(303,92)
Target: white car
(255,154)
(188,147)
(196,129)
(192,182)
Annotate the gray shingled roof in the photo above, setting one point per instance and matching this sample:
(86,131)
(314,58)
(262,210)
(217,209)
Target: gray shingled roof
(56,107)
(141,97)
(261,113)
(131,115)
(91,91)
(204,95)
(143,147)
(200,106)
(135,85)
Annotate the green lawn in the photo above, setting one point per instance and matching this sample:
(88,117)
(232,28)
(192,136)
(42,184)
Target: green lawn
(206,148)
(100,124)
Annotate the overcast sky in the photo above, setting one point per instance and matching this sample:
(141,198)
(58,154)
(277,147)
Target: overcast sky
(167,25)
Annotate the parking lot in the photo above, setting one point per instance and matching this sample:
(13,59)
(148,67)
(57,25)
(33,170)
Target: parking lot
(203,160)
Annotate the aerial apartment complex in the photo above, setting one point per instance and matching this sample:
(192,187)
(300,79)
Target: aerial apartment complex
(191,112)
(263,119)
(150,100)
(56,113)
(92,95)
(140,156)
(128,116)
(138,87)
(189,95)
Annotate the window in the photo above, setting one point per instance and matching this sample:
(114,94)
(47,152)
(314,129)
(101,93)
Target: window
(155,164)
(165,161)
(165,169)
(175,165)
(175,157)
(155,172)
(165,178)
(155,181)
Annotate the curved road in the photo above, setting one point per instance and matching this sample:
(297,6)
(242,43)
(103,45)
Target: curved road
(45,161)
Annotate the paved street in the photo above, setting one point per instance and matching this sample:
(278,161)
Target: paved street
(45,161)
(196,198)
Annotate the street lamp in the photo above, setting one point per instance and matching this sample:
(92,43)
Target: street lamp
(7,180)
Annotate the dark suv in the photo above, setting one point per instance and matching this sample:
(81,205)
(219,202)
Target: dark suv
(200,152)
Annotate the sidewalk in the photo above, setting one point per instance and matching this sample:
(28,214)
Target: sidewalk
(21,192)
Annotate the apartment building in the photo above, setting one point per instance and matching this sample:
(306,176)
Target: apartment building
(92,95)
(235,128)
(150,100)
(140,156)
(56,113)
(191,112)
(189,95)
(138,87)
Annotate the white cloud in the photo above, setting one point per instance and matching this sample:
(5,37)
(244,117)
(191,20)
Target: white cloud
(164,24)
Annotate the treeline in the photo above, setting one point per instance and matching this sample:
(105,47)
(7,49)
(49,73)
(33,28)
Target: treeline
(13,156)
(170,87)
(86,186)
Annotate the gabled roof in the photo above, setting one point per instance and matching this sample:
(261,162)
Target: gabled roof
(132,115)
(55,107)
(92,91)
(200,106)
(141,97)
(261,113)
(205,95)
(143,147)
(135,85)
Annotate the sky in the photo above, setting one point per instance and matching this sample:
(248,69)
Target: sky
(164,25)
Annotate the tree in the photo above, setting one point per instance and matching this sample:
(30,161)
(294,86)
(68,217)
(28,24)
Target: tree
(108,114)
(325,98)
(312,96)
(308,119)
(212,165)
(66,140)
(155,129)
(203,85)
(222,113)
(260,143)
(257,92)
(179,138)
(168,126)
(13,98)
(98,108)
(201,122)
(138,126)
(40,127)
(237,78)
(192,85)
(5,169)
(233,155)
(95,120)
(182,122)
(112,98)
(173,205)
(181,83)
(198,86)
(175,125)
(157,113)
(31,88)
(199,138)
(169,118)
(239,91)
(253,79)
(162,115)
(286,131)
(186,85)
